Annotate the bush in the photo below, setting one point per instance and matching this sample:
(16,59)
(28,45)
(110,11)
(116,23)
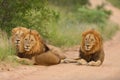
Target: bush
(116,3)
(40,21)
(92,15)
(13,13)
(69,5)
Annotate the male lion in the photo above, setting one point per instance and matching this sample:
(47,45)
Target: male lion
(91,51)
(36,50)
(17,35)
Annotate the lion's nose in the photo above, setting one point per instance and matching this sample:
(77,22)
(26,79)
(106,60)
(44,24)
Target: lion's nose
(27,45)
(18,40)
(87,45)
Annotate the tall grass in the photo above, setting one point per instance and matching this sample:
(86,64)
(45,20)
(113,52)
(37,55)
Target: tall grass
(5,46)
(67,36)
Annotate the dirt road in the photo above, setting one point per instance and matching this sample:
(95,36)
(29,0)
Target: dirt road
(110,69)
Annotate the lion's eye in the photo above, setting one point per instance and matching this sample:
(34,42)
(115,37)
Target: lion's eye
(25,39)
(92,39)
(32,40)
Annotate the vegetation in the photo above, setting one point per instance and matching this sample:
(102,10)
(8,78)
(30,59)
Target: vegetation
(14,13)
(5,46)
(116,3)
(87,15)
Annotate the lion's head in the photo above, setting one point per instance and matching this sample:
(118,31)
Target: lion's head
(17,34)
(33,43)
(91,42)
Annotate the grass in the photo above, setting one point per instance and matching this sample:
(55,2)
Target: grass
(5,47)
(116,3)
(69,35)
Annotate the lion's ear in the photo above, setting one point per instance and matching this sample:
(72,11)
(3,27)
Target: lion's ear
(83,34)
(14,30)
(35,32)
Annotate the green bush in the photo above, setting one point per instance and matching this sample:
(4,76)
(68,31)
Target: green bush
(68,3)
(92,15)
(40,21)
(13,13)
(116,3)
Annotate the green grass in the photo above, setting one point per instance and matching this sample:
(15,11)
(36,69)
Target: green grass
(69,35)
(5,47)
(87,15)
(116,3)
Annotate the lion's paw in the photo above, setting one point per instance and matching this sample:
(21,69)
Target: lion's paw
(24,61)
(82,62)
(93,63)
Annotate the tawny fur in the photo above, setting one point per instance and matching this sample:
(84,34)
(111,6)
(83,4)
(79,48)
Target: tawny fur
(48,58)
(96,53)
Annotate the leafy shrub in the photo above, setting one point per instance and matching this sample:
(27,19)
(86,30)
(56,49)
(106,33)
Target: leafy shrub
(13,13)
(92,15)
(69,3)
(40,21)
(116,3)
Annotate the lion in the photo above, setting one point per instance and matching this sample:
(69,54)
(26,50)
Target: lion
(46,58)
(36,50)
(91,50)
(17,35)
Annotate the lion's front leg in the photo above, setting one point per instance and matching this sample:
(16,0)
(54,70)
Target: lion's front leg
(93,63)
(24,60)
(82,62)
